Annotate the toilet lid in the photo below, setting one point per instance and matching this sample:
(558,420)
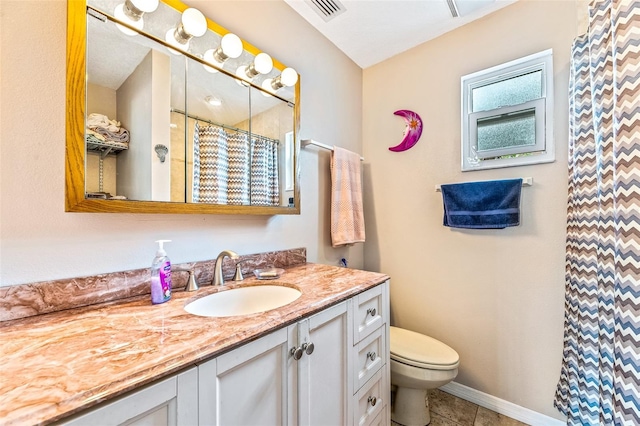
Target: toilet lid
(423,351)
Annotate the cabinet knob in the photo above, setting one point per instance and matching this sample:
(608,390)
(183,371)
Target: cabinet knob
(371,355)
(296,353)
(372,401)
(372,312)
(308,347)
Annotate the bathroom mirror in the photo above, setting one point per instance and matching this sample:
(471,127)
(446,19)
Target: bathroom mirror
(157,129)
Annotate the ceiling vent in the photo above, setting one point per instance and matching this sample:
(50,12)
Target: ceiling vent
(327,9)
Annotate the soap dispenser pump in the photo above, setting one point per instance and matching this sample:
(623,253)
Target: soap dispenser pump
(161,275)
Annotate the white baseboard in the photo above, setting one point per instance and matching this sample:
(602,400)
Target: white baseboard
(500,406)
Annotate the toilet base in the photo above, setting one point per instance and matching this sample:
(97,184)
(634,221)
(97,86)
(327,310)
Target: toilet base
(411,407)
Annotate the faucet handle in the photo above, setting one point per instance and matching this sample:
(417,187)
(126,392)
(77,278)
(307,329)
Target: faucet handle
(238,274)
(192,285)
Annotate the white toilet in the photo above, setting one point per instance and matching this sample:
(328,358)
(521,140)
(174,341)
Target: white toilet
(418,363)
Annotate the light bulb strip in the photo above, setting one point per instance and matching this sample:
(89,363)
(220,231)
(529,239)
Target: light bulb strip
(221,31)
(215,28)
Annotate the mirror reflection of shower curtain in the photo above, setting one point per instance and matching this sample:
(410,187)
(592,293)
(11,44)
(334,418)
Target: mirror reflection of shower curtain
(210,165)
(226,170)
(238,183)
(264,172)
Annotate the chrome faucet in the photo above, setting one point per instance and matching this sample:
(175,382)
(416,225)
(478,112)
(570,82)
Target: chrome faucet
(218,278)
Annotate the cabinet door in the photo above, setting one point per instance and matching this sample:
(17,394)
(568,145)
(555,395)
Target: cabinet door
(324,385)
(171,401)
(249,385)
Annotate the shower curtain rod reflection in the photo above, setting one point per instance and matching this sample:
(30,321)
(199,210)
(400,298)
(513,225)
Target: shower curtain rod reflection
(224,126)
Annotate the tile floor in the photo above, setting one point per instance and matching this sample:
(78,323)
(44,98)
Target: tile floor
(448,410)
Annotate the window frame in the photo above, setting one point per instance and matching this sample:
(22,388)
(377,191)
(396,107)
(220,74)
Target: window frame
(543,149)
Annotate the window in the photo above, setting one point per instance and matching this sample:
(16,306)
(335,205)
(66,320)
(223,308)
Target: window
(507,114)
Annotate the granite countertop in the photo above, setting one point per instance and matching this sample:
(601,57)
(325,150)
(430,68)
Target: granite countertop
(58,364)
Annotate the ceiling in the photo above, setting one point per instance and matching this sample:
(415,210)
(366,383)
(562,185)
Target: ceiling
(370,31)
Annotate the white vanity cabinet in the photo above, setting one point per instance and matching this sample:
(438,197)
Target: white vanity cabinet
(169,402)
(297,375)
(331,368)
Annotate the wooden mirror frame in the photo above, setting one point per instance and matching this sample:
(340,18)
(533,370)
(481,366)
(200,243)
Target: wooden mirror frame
(75,155)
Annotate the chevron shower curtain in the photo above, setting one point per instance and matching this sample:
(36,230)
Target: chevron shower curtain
(238,183)
(264,172)
(600,377)
(210,165)
(229,170)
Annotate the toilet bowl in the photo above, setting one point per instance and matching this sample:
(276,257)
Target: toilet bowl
(418,363)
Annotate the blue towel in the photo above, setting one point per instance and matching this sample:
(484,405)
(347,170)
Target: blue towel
(482,205)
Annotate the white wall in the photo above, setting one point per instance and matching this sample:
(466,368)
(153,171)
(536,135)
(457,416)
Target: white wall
(39,241)
(160,126)
(495,296)
(136,112)
(144,108)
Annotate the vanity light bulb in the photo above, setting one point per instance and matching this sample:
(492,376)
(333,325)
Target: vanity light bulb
(289,77)
(263,63)
(120,15)
(209,56)
(131,12)
(241,73)
(231,45)
(146,6)
(170,38)
(194,22)
(266,85)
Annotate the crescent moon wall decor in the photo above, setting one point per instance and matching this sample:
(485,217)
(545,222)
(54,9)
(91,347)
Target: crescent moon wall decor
(412,132)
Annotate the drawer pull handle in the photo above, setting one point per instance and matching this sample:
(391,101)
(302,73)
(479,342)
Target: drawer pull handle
(308,348)
(371,355)
(296,353)
(372,312)
(372,401)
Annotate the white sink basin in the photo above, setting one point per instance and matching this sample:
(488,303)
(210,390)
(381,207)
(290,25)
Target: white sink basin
(243,301)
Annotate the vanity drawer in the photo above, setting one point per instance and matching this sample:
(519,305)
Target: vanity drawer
(370,312)
(371,399)
(370,357)
(381,419)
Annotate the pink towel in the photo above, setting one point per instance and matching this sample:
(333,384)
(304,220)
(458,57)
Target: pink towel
(347,218)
